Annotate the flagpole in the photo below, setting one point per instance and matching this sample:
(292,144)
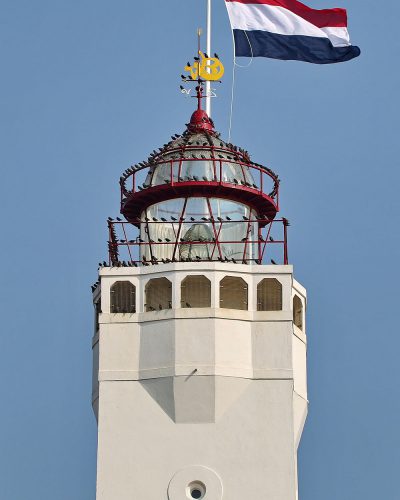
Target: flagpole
(208,83)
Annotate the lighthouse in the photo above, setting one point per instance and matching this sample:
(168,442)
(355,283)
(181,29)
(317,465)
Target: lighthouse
(199,346)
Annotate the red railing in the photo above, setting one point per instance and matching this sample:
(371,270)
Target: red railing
(217,172)
(129,246)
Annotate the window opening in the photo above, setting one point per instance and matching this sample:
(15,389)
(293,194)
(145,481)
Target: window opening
(123,297)
(269,295)
(158,294)
(196,292)
(298,312)
(233,293)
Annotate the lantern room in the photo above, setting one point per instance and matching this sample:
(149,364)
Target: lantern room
(198,198)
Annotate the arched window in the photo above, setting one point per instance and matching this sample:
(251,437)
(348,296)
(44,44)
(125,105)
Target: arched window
(196,292)
(158,294)
(123,297)
(233,293)
(269,295)
(298,312)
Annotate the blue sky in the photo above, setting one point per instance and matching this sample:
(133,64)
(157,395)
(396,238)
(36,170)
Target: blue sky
(88,88)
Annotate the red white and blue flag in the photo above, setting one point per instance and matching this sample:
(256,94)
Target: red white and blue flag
(289,30)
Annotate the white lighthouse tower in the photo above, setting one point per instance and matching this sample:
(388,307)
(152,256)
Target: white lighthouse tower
(199,384)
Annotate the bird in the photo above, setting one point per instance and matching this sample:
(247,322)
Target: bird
(163,219)
(122,241)
(183,77)
(271,239)
(192,219)
(244,239)
(228,218)
(110,219)
(140,240)
(155,219)
(205,178)
(159,240)
(204,219)
(188,305)
(160,307)
(245,218)
(273,262)
(220,219)
(167,240)
(105,264)
(216,56)
(173,218)
(235,181)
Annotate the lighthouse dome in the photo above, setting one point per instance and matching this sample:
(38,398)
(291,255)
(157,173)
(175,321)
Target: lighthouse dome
(196,156)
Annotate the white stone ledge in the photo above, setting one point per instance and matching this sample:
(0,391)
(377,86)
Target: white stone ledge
(189,313)
(181,371)
(190,267)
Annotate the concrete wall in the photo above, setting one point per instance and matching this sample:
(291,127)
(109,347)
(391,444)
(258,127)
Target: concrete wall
(215,397)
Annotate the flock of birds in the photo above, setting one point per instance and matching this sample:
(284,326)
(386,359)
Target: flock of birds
(172,219)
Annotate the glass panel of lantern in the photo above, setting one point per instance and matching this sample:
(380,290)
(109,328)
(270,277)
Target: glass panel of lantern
(230,236)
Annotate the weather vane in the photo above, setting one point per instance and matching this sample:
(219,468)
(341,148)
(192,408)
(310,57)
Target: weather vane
(203,69)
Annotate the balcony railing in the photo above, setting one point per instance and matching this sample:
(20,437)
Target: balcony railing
(201,171)
(135,246)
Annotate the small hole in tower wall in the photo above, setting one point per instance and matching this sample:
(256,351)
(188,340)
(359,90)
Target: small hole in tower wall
(196,490)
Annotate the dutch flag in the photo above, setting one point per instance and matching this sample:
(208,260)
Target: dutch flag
(288,29)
